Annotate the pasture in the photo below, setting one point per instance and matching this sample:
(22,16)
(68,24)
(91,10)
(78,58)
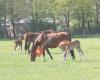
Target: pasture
(17,65)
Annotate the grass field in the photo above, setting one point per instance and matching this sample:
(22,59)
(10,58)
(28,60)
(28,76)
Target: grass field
(17,65)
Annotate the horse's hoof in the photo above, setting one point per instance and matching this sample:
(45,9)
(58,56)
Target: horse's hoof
(33,59)
(73,58)
(51,58)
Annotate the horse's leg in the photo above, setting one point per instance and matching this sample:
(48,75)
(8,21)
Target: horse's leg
(64,55)
(49,53)
(81,53)
(16,47)
(44,54)
(28,46)
(72,51)
(33,53)
(33,56)
(72,54)
(21,47)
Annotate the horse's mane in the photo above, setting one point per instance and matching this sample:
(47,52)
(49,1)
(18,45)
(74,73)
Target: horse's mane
(43,33)
(39,37)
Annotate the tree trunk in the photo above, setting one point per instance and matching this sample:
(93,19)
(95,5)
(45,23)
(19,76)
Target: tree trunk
(54,22)
(13,27)
(4,26)
(5,30)
(83,24)
(67,20)
(12,17)
(97,14)
(89,28)
(37,19)
(33,24)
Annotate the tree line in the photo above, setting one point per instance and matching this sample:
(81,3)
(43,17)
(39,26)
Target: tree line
(75,16)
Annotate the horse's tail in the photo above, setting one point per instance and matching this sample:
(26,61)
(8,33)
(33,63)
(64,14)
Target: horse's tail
(26,39)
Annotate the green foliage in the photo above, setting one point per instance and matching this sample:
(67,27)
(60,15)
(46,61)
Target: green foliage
(83,12)
(1,34)
(42,25)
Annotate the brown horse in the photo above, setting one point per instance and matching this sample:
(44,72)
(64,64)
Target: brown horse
(49,41)
(18,42)
(30,38)
(67,46)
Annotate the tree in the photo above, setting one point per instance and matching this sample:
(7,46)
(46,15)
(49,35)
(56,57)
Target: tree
(84,11)
(65,8)
(3,12)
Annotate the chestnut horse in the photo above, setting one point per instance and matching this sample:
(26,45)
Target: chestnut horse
(67,46)
(49,41)
(18,42)
(30,37)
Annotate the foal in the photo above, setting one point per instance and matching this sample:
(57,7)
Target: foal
(18,42)
(67,46)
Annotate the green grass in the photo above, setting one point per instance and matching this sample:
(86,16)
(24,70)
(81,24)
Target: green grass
(17,65)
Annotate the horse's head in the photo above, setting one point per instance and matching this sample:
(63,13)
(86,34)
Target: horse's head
(40,39)
(22,37)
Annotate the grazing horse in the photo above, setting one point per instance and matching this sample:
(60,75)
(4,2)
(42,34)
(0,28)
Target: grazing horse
(30,38)
(67,46)
(18,42)
(49,41)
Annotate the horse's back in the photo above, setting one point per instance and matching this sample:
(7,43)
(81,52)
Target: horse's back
(59,36)
(76,42)
(31,36)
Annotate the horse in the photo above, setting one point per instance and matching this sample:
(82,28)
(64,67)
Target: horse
(49,41)
(18,42)
(67,46)
(30,38)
